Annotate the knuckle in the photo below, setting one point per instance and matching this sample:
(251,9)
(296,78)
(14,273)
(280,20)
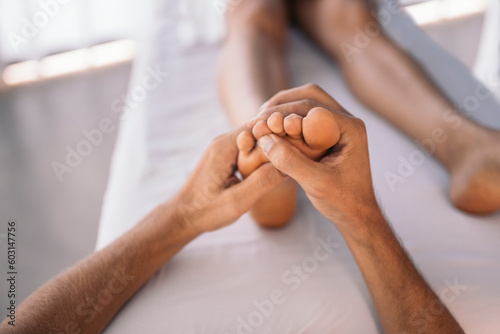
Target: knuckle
(359,129)
(360,125)
(311,86)
(309,103)
(276,99)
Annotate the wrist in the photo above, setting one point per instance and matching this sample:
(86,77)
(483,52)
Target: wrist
(162,233)
(178,217)
(187,217)
(365,224)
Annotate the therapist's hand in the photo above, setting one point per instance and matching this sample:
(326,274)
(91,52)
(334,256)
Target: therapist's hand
(340,184)
(86,297)
(213,197)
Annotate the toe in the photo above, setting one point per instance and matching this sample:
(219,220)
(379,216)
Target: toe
(275,124)
(293,126)
(245,141)
(261,129)
(320,130)
(249,162)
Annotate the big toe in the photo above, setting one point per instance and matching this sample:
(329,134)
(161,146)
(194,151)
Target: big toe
(251,156)
(320,130)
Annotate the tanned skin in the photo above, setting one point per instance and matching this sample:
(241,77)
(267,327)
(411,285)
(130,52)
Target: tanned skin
(87,296)
(341,190)
(340,187)
(380,74)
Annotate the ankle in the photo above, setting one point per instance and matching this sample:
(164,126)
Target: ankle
(466,143)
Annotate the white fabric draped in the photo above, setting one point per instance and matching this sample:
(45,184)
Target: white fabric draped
(219,282)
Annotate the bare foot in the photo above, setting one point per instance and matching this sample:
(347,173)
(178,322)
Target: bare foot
(313,135)
(475,185)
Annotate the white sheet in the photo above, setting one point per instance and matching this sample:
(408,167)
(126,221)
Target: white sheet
(212,284)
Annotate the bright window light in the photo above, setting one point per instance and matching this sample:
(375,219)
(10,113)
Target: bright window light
(112,53)
(436,11)
(63,64)
(20,73)
(71,62)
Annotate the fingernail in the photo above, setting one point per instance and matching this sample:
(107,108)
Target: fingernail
(266,143)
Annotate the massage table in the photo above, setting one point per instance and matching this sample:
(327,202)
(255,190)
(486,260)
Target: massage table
(244,279)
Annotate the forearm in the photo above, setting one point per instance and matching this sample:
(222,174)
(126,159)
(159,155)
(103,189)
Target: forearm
(87,296)
(398,290)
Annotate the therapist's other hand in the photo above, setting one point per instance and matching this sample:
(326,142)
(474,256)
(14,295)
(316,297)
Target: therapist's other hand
(340,184)
(213,196)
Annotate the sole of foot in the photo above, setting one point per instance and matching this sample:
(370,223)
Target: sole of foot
(313,135)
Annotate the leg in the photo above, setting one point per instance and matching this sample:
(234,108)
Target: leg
(253,61)
(253,70)
(388,81)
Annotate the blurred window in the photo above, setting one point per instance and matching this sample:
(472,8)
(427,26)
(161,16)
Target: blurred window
(32,29)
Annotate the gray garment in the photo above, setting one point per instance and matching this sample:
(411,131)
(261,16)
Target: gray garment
(450,75)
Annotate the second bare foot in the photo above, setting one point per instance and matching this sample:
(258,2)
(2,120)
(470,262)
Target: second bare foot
(475,185)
